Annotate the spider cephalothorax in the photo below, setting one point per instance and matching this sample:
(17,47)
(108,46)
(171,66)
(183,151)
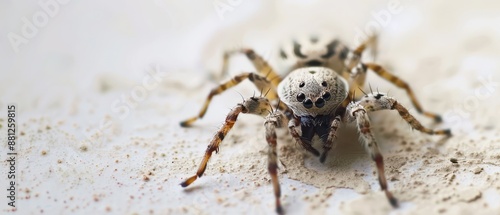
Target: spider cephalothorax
(317,96)
(313,94)
(313,91)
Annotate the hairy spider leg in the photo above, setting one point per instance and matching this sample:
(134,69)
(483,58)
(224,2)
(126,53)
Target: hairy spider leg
(259,81)
(254,105)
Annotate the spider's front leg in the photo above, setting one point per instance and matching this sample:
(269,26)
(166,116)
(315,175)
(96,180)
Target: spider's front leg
(255,105)
(380,101)
(326,132)
(328,142)
(356,112)
(293,125)
(274,120)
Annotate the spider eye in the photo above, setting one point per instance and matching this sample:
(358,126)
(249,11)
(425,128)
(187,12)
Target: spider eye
(326,96)
(302,84)
(307,103)
(320,103)
(323,84)
(301,97)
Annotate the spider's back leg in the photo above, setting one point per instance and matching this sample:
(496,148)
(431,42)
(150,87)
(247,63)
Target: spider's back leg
(259,81)
(359,71)
(379,70)
(262,66)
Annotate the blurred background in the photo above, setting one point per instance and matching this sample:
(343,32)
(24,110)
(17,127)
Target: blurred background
(102,85)
(54,50)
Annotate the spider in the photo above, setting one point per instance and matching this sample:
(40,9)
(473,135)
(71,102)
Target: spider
(313,100)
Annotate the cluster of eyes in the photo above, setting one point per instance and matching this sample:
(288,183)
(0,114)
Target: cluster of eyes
(320,102)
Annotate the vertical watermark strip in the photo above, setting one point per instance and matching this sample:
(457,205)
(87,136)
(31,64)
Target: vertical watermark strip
(11,154)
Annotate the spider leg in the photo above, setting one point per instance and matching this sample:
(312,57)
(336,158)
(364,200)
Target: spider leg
(293,126)
(254,105)
(327,134)
(332,136)
(356,112)
(372,41)
(354,72)
(380,101)
(355,55)
(357,81)
(274,120)
(259,81)
(379,70)
(259,63)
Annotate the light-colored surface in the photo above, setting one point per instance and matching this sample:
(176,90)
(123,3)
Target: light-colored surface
(73,78)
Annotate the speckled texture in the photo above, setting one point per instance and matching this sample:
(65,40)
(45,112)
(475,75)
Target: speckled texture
(90,142)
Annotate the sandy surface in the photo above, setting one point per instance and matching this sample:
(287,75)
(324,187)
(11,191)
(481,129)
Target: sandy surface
(102,87)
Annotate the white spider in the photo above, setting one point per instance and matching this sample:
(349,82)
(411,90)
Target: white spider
(317,96)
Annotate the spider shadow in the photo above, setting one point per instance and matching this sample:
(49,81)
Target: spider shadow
(194,188)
